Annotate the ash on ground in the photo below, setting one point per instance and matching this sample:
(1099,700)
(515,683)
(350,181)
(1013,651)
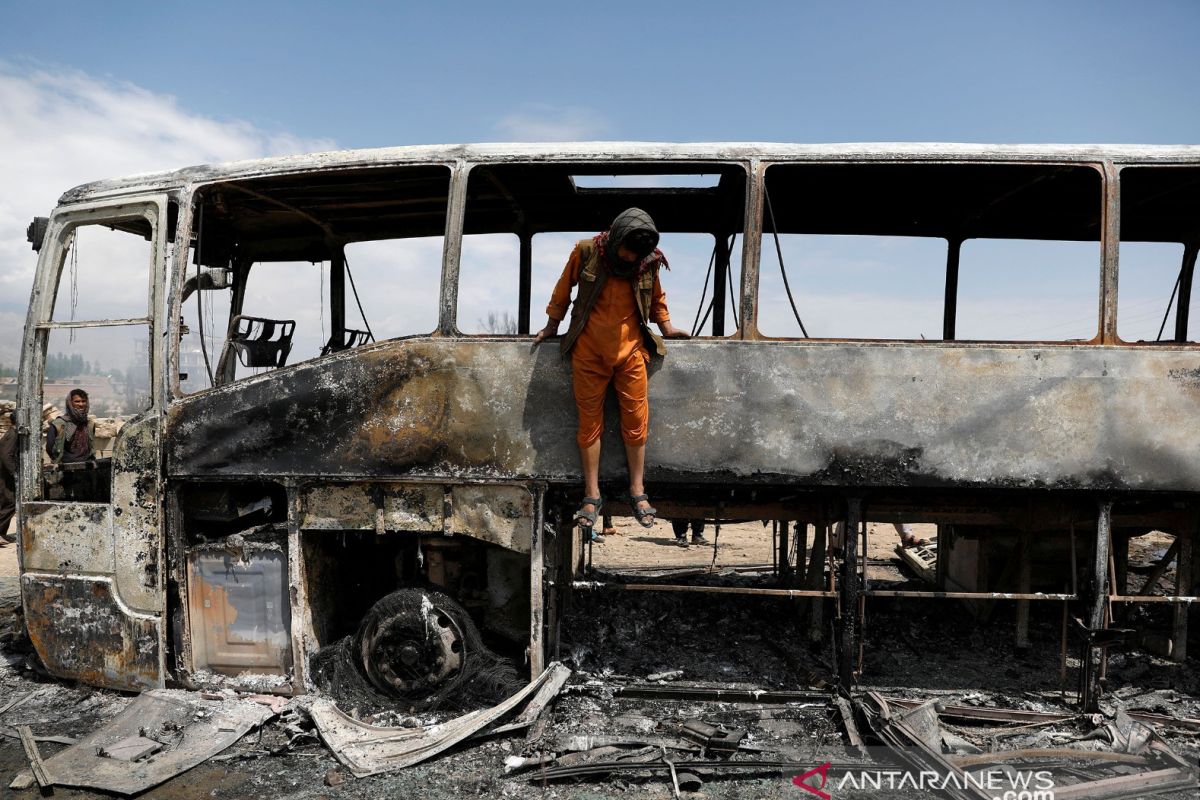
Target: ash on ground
(914,650)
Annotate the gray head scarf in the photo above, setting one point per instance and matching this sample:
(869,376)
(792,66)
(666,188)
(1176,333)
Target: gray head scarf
(634,228)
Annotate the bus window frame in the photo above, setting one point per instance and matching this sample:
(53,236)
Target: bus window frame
(151,207)
(637,166)
(1179,331)
(181,257)
(1107,241)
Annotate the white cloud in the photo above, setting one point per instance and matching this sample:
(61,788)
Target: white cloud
(539,122)
(60,129)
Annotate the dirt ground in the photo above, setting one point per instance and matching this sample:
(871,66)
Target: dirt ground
(924,649)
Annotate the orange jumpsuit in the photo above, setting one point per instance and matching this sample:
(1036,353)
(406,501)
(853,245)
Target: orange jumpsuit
(610,349)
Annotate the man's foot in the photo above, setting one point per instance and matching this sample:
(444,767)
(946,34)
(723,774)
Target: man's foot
(912,541)
(585,517)
(6,539)
(597,538)
(699,540)
(681,541)
(642,510)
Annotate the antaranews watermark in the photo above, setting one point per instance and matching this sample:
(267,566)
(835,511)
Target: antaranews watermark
(1000,784)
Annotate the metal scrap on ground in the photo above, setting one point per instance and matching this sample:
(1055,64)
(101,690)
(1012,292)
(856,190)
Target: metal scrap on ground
(120,756)
(369,749)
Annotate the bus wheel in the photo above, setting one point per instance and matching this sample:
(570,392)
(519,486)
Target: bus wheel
(413,643)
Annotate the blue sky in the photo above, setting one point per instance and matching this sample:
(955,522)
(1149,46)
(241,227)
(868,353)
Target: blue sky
(94,91)
(373,74)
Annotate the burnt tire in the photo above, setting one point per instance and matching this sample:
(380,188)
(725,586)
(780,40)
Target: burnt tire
(415,644)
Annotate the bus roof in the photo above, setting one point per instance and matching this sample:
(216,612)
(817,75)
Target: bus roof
(653,151)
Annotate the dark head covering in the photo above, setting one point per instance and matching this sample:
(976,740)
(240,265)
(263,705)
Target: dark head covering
(635,229)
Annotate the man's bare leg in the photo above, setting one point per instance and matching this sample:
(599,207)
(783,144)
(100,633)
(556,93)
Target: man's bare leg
(589,460)
(635,454)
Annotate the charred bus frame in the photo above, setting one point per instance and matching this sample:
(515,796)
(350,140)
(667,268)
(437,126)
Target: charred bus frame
(446,455)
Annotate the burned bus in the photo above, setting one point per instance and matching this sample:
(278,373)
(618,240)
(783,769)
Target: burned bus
(336,428)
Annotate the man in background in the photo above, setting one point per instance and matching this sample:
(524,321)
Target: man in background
(72,435)
(8,478)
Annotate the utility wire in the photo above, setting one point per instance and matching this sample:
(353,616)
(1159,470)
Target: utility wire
(779,251)
(357,302)
(703,293)
(729,276)
(1167,312)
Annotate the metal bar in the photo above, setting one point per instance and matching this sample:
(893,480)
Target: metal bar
(1110,240)
(451,253)
(751,247)
(1141,598)
(525,287)
(1183,302)
(1183,585)
(1137,785)
(848,590)
(1098,602)
(537,594)
(99,323)
(1024,584)
(785,554)
(1160,568)
(720,694)
(720,266)
(950,310)
(1044,753)
(670,587)
(301,611)
(337,296)
(775,547)
(816,576)
(1023,596)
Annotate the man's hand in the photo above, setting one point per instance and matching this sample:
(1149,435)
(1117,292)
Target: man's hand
(669,331)
(551,329)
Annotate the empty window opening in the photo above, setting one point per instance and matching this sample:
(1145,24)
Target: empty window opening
(1028,290)
(317,263)
(870,249)
(106,272)
(552,207)
(876,287)
(1160,236)
(1148,291)
(683,181)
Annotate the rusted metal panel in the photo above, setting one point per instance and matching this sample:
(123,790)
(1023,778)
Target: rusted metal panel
(373,506)
(501,515)
(67,538)
(816,413)
(83,632)
(238,612)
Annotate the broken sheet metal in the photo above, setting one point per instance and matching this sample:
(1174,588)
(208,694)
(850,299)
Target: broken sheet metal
(370,749)
(161,734)
(1139,764)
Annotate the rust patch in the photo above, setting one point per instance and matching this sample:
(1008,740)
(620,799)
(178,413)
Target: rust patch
(81,633)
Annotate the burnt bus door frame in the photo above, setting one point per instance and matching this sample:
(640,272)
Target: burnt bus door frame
(90,572)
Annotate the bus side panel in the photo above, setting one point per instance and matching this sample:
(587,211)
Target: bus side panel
(818,414)
(83,632)
(91,588)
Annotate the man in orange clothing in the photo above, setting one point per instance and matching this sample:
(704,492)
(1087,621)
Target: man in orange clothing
(609,341)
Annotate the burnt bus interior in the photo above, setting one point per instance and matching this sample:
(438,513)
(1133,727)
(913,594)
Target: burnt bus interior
(239,606)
